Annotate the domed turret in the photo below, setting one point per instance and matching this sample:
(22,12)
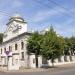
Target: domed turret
(16,17)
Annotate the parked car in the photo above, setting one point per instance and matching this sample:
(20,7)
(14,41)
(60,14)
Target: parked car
(45,66)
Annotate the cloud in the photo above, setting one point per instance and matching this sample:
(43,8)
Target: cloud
(66,28)
(3,20)
(17,3)
(42,15)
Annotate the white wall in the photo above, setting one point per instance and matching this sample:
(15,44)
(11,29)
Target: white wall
(39,61)
(32,65)
(62,61)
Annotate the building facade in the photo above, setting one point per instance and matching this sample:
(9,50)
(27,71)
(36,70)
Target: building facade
(13,51)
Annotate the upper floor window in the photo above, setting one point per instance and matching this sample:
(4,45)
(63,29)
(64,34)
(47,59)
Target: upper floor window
(5,49)
(22,45)
(16,46)
(10,48)
(1,50)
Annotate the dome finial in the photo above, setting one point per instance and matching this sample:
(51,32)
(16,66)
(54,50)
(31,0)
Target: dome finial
(16,15)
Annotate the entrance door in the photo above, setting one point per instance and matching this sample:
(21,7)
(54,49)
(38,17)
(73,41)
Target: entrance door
(9,62)
(13,62)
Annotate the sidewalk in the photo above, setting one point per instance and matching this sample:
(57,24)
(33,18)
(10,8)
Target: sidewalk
(56,68)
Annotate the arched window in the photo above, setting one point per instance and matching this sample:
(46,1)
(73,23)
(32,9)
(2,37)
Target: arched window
(22,45)
(5,49)
(10,48)
(16,46)
(22,54)
(1,50)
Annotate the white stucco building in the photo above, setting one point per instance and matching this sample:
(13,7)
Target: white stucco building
(13,51)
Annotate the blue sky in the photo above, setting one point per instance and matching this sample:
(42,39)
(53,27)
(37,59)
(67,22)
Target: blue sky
(40,14)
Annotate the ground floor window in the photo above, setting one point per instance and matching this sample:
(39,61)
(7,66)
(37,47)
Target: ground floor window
(22,55)
(5,49)
(1,50)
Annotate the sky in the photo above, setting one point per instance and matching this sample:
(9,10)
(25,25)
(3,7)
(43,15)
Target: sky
(41,14)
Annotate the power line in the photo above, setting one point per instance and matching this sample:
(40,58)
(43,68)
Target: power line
(3,12)
(46,5)
(60,6)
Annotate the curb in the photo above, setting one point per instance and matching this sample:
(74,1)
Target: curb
(58,68)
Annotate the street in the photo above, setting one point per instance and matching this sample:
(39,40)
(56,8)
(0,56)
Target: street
(56,72)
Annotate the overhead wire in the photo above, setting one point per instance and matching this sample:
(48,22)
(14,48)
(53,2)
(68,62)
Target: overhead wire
(67,13)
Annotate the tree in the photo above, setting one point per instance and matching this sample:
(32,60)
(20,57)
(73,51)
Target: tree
(70,46)
(49,45)
(52,46)
(33,45)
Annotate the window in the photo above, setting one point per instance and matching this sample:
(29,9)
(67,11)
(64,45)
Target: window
(5,49)
(22,45)
(1,50)
(22,55)
(16,46)
(10,48)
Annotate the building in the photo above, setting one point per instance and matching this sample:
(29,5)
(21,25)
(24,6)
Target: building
(13,51)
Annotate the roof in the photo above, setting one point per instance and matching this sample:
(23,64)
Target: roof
(17,18)
(25,33)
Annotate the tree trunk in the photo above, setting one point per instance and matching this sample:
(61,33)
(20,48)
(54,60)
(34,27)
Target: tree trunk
(70,57)
(52,64)
(52,60)
(36,58)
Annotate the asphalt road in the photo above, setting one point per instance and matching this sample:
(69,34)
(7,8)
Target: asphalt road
(58,72)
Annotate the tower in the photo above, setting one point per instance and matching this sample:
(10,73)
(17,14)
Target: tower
(16,26)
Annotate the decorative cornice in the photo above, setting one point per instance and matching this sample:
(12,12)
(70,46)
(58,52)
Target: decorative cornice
(16,21)
(25,33)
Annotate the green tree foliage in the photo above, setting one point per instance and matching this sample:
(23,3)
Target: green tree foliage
(53,45)
(49,45)
(70,46)
(34,45)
